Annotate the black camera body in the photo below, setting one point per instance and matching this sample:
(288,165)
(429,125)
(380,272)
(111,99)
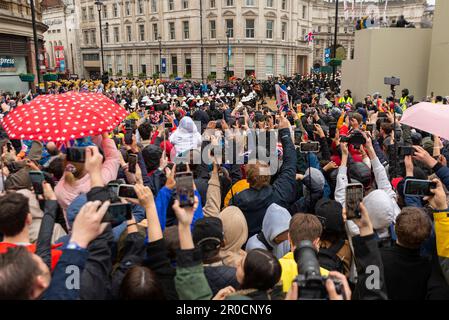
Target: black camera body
(311,284)
(356,139)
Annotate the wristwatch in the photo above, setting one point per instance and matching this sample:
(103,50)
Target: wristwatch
(74,246)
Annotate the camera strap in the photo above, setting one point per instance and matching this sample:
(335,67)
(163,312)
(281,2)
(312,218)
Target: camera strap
(261,238)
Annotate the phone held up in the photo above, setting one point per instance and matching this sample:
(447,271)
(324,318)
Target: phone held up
(76,154)
(37,178)
(118,213)
(418,188)
(354,196)
(184,189)
(313,147)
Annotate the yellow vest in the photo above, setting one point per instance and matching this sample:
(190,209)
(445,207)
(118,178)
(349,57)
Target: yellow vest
(403,103)
(290,271)
(348,100)
(236,188)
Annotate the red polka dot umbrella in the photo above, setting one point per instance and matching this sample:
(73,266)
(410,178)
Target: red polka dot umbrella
(63,117)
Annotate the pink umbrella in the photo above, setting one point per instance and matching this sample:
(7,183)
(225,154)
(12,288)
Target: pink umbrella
(429,117)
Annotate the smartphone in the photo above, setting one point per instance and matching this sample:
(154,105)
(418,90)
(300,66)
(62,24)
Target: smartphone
(406,151)
(167,124)
(132,162)
(313,147)
(381,115)
(113,188)
(37,178)
(127,191)
(184,189)
(76,154)
(118,213)
(354,196)
(332,130)
(129,136)
(418,188)
(298,137)
(370,127)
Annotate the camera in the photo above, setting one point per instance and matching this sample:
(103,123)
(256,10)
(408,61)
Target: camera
(311,284)
(393,81)
(356,139)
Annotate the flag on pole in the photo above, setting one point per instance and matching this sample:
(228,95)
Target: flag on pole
(346,9)
(281,98)
(309,37)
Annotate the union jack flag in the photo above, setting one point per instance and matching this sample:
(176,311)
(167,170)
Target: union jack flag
(309,37)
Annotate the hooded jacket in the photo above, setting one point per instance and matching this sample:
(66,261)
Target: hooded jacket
(186,137)
(235,232)
(275,222)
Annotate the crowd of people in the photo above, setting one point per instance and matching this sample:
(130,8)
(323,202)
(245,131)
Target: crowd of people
(276,225)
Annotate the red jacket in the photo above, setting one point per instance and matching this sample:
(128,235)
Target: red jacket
(55,252)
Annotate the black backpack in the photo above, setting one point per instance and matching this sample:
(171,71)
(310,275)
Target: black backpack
(328,257)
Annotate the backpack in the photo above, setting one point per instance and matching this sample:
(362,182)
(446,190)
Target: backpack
(328,257)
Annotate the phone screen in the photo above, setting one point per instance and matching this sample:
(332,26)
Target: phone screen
(118,213)
(370,127)
(37,178)
(309,147)
(132,162)
(184,189)
(407,151)
(76,154)
(418,188)
(127,191)
(354,196)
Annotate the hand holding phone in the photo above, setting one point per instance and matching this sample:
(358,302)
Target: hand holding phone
(313,147)
(118,213)
(76,154)
(419,188)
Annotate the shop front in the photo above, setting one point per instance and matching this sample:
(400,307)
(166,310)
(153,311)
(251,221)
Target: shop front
(13,62)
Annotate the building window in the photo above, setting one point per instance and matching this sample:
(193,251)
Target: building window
(304,12)
(250,3)
(129,36)
(86,37)
(143,69)
(213,29)
(174,65)
(106,35)
(91,13)
(153,6)
(186,30)
(140,8)
(131,69)
(250,64)
(115,10)
(116,35)
(171,28)
(270,3)
(105,11)
(250,28)
(93,34)
(284,5)
(118,64)
(230,27)
(283,64)
(185,4)
(270,24)
(213,64)
(229,3)
(212,4)
(284,31)
(269,64)
(156,62)
(84,14)
(127,8)
(188,64)
(171,5)
(155,32)
(142,32)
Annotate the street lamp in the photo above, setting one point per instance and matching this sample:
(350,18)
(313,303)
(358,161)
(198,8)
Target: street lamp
(159,38)
(36,44)
(99,5)
(228,35)
(335,40)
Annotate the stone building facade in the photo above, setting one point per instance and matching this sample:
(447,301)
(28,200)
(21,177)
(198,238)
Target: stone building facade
(267,37)
(17,54)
